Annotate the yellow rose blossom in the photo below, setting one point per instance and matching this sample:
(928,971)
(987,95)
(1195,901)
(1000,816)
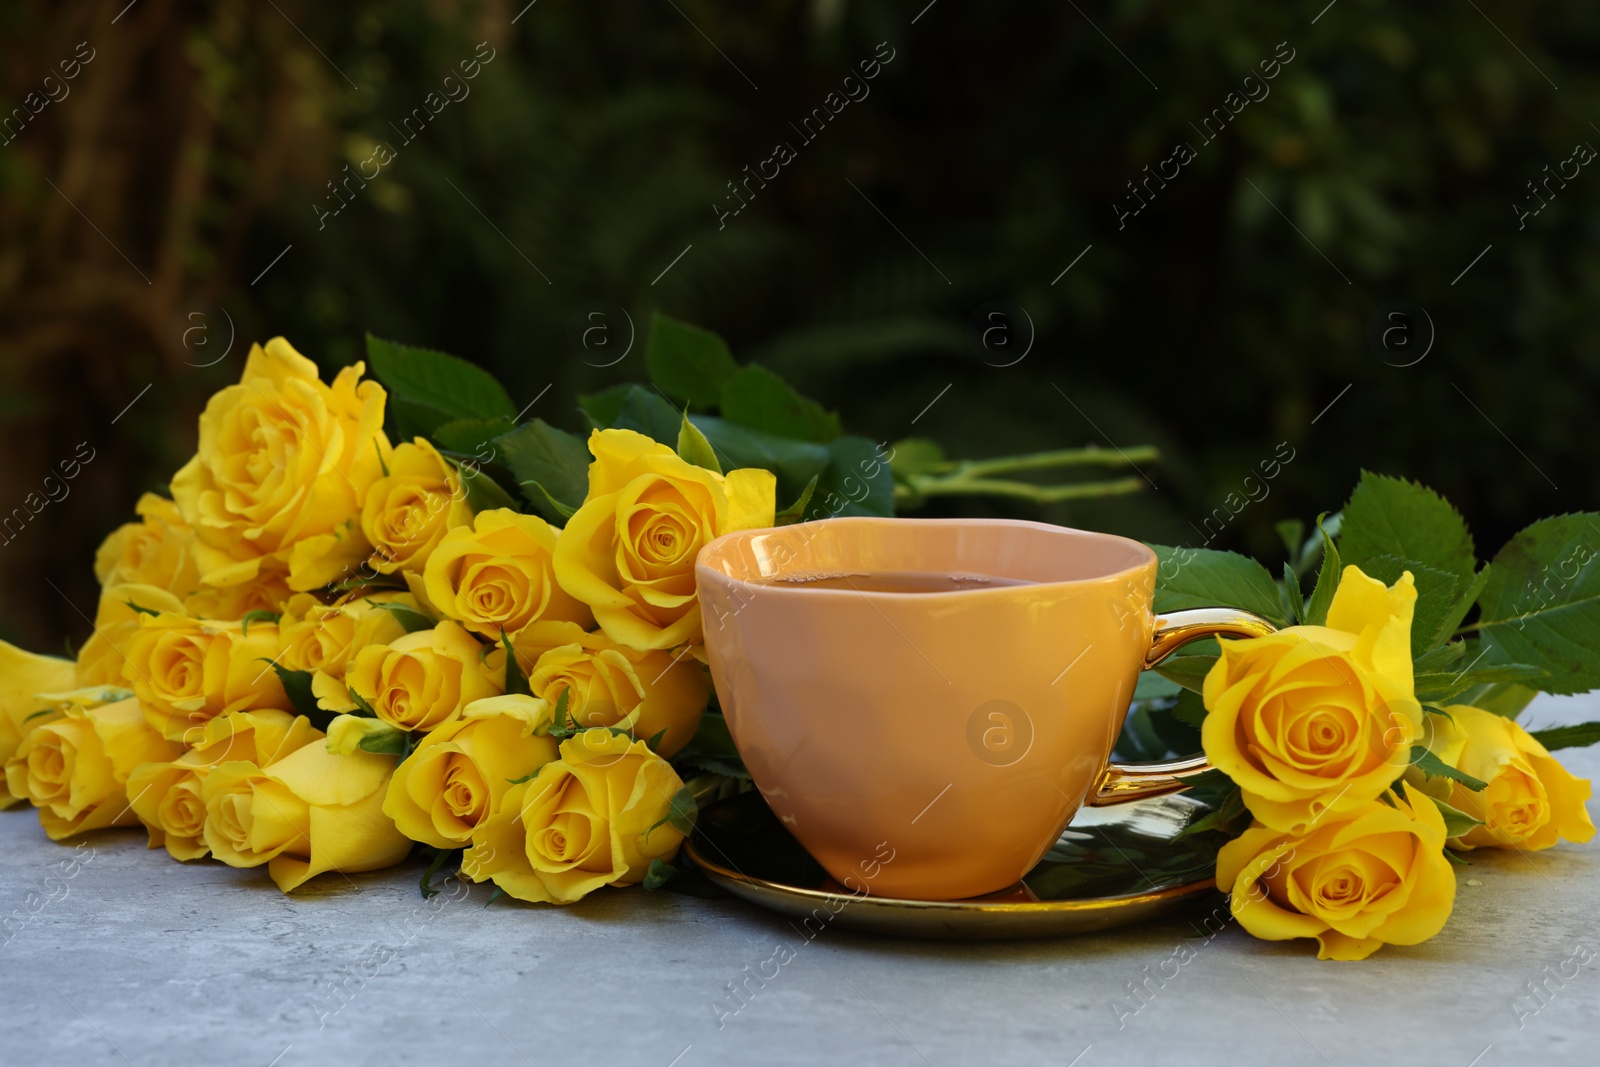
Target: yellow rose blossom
(23,676)
(167,796)
(582,822)
(1530,802)
(608,684)
(629,551)
(458,774)
(158,550)
(1314,719)
(308,813)
(497,575)
(409,510)
(75,769)
(324,638)
(104,655)
(188,671)
(1355,880)
(283,465)
(416,682)
(268,592)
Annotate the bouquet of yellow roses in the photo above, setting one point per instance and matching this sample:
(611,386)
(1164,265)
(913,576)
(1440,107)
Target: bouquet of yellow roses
(342,636)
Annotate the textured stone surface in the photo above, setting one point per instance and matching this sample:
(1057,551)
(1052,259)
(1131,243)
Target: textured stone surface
(146,961)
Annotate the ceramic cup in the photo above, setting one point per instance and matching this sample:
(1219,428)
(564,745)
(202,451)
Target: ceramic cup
(933,745)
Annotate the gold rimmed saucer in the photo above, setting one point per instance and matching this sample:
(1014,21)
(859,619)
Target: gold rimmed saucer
(1111,867)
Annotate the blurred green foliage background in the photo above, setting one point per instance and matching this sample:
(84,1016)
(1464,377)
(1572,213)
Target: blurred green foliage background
(173,197)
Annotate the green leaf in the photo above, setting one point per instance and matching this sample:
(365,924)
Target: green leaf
(1293,602)
(633,407)
(694,448)
(1456,821)
(1541,604)
(688,363)
(297,685)
(1434,767)
(917,455)
(795,463)
(654,742)
(441,857)
(1393,517)
(1568,736)
(1439,658)
(1190,709)
(1327,579)
(1188,671)
(483,492)
(1436,594)
(428,389)
(681,812)
(363,706)
(551,465)
(796,512)
(659,873)
(1228,816)
(1207,578)
(259,615)
(855,481)
(494,896)
(712,748)
(471,437)
(413,620)
(759,399)
(1506,699)
(141,609)
(516,679)
(395,742)
(1443,685)
(1451,620)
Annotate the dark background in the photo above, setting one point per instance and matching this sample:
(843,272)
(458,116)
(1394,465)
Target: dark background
(140,218)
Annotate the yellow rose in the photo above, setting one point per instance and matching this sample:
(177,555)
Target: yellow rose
(1531,800)
(283,465)
(116,623)
(268,592)
(582,822)
(629,551)
(324,638)
(496,575)
(158,550)
(75,769)
(1357,880)
(608,684)
(458,774)
(410,509)
(23,676)
(308,813)
(167,796)
(1317,719)
(416,682)
(188,671)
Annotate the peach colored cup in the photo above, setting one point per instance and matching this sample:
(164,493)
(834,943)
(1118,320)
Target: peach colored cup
(956,733)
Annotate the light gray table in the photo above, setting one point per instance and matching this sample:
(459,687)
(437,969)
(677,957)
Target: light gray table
(146,961)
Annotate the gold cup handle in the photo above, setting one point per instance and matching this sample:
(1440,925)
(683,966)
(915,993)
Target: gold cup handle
(1135,781)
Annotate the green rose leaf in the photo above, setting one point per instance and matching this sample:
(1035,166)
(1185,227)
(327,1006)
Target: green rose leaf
(428,389)
(694,448)
(633,407)
(856,481)
(441,857)
(1456,821)
(688,363)
(795,463)
(297,685)
(406,615)
(516,678)
(681,812)
(1187,671)
(796,512)
(1541,603)
(759,399)
(471,437)
(1294,604)
(1393,517)
(1445,685)
(1316,613)
(258,615)
(1434,767)
(1568,736)
(1207,578)
(659,873)
(551,466)
(483,492)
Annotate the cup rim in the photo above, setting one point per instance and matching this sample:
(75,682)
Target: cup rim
(706,569)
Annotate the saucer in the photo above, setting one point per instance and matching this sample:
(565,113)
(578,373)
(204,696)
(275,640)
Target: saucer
(1111,867)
